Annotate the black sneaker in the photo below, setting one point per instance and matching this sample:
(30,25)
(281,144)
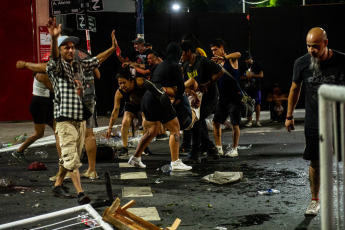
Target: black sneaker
(212,157)
(122,152)
(19,156)
(60,191)
(212,154)
(191,159)
(147,151)
(83,199)
(162,137)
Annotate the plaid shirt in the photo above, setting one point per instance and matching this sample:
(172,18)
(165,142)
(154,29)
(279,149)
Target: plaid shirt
(62,75)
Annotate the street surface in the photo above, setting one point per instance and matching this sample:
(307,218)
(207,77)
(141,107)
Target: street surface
(271,158)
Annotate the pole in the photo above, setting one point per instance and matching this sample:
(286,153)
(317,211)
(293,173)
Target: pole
(140,18)
(244,6)
(87,32)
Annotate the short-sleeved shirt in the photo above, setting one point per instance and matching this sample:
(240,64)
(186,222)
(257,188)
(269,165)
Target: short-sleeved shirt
(140,58)
(332,72)
(68,101)
(252,83)
(202,71)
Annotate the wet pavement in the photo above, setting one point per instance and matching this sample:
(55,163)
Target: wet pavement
(270,158)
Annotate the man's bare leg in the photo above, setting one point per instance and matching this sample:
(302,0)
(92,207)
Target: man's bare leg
(126,123)
(152,131)
(174,128)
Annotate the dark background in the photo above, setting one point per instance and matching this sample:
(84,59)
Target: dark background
(275,37)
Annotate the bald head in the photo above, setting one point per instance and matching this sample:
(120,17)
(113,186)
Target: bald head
(317,34)
(317,43)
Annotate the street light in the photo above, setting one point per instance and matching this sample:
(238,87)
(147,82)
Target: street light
(176,7)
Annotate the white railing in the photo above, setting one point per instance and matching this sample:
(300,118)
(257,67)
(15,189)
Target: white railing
(331,103)
(88,208)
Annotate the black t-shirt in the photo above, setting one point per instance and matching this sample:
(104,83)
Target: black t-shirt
(168,74)
(332,72)
(252,83)
(202,71)
(140,58)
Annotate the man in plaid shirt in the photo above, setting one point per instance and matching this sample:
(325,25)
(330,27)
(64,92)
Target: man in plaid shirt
(67,77)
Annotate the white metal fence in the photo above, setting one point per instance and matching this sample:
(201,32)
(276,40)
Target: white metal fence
(331,131)
(66,222)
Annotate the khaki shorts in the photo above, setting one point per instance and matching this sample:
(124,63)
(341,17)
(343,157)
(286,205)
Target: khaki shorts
(71,136)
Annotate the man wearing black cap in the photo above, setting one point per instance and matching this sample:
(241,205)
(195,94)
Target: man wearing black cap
(139,56)
(251,74)
(70,112)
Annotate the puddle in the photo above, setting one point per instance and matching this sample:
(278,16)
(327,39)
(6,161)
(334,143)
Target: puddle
(250,220)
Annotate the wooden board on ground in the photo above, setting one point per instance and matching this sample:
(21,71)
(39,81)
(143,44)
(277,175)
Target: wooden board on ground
(124,220)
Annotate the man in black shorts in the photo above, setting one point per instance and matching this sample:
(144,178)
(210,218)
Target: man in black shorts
(229,96)
(320,65)
(167,74)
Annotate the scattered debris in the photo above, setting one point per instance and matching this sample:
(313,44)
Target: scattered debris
(223,177)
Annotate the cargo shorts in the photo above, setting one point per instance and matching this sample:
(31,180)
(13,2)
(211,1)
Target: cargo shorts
(71,136)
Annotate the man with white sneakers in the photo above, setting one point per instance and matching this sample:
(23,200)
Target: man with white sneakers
(320,65)
(158,110)
(230,96)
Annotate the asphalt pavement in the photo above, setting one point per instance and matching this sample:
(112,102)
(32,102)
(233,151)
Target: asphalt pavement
(269,157)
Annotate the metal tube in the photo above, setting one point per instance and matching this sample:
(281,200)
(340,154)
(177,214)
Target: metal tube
(336,157)
(342,150)
(86,207)
(244,6)
(326,177)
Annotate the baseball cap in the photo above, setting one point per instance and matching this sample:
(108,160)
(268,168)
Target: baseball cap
(63,39)
(139,40)
(247,55)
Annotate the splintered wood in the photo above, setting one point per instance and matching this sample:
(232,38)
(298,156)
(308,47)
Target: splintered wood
(124,220)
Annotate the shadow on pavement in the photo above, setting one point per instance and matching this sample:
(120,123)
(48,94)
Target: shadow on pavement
(305,223)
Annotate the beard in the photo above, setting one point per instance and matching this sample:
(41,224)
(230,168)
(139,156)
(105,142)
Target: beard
(315,65)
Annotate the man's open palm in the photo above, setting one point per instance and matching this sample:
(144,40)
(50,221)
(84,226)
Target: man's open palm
(53,29)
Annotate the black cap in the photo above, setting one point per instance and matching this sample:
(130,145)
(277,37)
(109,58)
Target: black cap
(247,55)
(139,40)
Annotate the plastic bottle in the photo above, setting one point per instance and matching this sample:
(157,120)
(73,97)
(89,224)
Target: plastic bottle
(42,154)
(269,192)
(166,168)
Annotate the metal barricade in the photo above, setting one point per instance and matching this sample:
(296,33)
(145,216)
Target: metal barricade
(331,124)
(66,222)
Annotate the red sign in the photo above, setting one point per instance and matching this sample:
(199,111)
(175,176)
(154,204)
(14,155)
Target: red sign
(44,45)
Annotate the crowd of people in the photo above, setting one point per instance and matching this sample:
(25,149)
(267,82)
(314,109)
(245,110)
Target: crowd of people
(175,92)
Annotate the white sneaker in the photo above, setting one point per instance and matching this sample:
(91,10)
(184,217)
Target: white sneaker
(232,153)
(220,150)
(313,208)
(136,162)
(249,124)
(178,165)
(258,124)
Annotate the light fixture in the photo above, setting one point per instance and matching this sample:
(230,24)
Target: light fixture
(176,7)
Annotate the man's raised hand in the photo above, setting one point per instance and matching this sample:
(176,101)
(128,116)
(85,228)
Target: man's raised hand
(53,29)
